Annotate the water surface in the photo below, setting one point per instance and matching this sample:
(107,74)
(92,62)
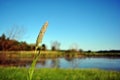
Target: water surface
(100,63)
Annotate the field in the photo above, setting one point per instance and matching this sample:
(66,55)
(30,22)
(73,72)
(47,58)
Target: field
(13,73)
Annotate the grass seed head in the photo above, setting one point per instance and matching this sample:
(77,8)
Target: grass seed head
(41,34)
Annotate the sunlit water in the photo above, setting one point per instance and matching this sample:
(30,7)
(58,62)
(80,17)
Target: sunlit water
(100,63)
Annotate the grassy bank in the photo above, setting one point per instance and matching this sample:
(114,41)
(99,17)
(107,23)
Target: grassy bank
(12,73)
(52,54)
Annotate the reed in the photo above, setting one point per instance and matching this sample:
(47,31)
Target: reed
(38,41)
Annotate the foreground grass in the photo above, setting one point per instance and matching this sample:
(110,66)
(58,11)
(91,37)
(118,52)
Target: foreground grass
(13,73)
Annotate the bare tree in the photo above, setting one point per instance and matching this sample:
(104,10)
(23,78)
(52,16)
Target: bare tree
(55,45)
(16,32)
(74,47)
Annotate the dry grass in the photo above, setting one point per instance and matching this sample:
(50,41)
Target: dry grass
(41,34)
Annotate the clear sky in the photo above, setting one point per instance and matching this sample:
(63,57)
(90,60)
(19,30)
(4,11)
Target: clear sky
(91,24)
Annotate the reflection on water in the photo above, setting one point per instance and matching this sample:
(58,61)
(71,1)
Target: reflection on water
(72,62)
(66,62)
(101,63)
(55,63)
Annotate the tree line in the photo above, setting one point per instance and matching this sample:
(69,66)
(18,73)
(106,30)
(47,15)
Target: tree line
(8,44)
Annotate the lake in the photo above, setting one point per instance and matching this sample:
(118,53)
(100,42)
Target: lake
(100,63)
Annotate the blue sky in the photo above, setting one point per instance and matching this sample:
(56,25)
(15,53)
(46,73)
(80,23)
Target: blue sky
(89,24)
